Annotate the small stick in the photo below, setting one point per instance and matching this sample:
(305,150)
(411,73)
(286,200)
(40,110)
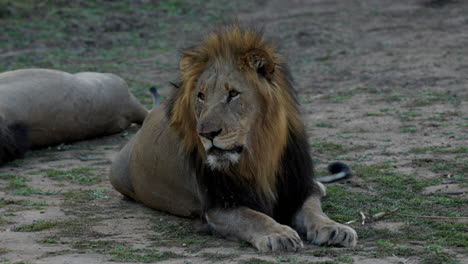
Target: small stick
(363,218)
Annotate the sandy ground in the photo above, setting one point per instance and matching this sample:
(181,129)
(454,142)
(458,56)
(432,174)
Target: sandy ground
(360,66)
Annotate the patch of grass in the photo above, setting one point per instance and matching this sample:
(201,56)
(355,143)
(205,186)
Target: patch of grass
(256,261)
(23,204)
(6,261)
(323,124)
(28,191)
(17,182)
(344,259)
(86,195)
(430,97)
(35,203)
(285,259)
(388,189)
(323,262)
(81,176)
(374,114)
(408,130)
(80,226)
(19,186)
(4,251)
(409,115)
(435,254)
(218,256)
(396,97)
(340,98)
(7,176)
(387,109)
(36,226)
(442,233)
(124,254)
(438,117)
(327,147)
(441,149)
(49,240)
(177,233)
(99,246)
(4,221)
(322,252)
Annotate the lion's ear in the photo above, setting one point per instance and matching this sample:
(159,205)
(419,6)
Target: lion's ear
(260,61)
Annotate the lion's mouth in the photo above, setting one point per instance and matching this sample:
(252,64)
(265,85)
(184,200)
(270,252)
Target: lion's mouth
(215,150)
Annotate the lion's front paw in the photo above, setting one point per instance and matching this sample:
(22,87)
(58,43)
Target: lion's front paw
(332,234)
(283,238)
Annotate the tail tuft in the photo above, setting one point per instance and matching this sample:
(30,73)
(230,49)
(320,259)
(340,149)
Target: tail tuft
(156,96)
(339,171)
(337,167)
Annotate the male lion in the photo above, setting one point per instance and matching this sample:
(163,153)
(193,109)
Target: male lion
(230,145)
(40,107)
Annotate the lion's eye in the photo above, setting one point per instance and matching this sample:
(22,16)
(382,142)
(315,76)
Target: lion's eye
(201,96)
(233,94)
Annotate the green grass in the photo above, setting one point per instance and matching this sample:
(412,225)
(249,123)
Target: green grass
(430,97)
(387,189)
(213,257)
(18,186)
(441,149)
(49,240)
(99,246)
(125,254)
(323,124)
(177,233)
(344,259)
(374,114)
(327,147)
(285,259)
(82,176)
(7,176)
(38,225)
(408,130)
(17,182)
(256,261)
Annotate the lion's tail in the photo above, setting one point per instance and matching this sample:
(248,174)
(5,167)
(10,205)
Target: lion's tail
(14,141)
(338,171)
(156,96)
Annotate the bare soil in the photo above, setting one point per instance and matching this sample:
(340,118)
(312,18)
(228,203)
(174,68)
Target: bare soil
(380,79)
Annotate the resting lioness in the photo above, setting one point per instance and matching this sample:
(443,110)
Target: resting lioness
(230,145)
(40,107)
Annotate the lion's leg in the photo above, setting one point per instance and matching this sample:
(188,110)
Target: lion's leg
(119,175)
(319,229)
(254,227)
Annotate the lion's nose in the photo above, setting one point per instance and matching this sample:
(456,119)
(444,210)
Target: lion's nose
(210,135)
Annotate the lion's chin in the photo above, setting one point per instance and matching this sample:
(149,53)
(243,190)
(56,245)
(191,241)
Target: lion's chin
(222,160)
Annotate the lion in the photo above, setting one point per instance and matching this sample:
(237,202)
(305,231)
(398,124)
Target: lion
(42,107)
(230,147)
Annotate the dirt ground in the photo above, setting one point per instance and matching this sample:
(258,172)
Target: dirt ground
(383,87)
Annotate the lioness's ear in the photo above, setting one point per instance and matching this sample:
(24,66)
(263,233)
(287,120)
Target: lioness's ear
(260,61)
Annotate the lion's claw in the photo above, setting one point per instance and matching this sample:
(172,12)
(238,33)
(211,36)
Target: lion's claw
(283,239)
(332,234)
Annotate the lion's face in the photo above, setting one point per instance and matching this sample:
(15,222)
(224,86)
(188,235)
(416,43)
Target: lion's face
(226,107)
